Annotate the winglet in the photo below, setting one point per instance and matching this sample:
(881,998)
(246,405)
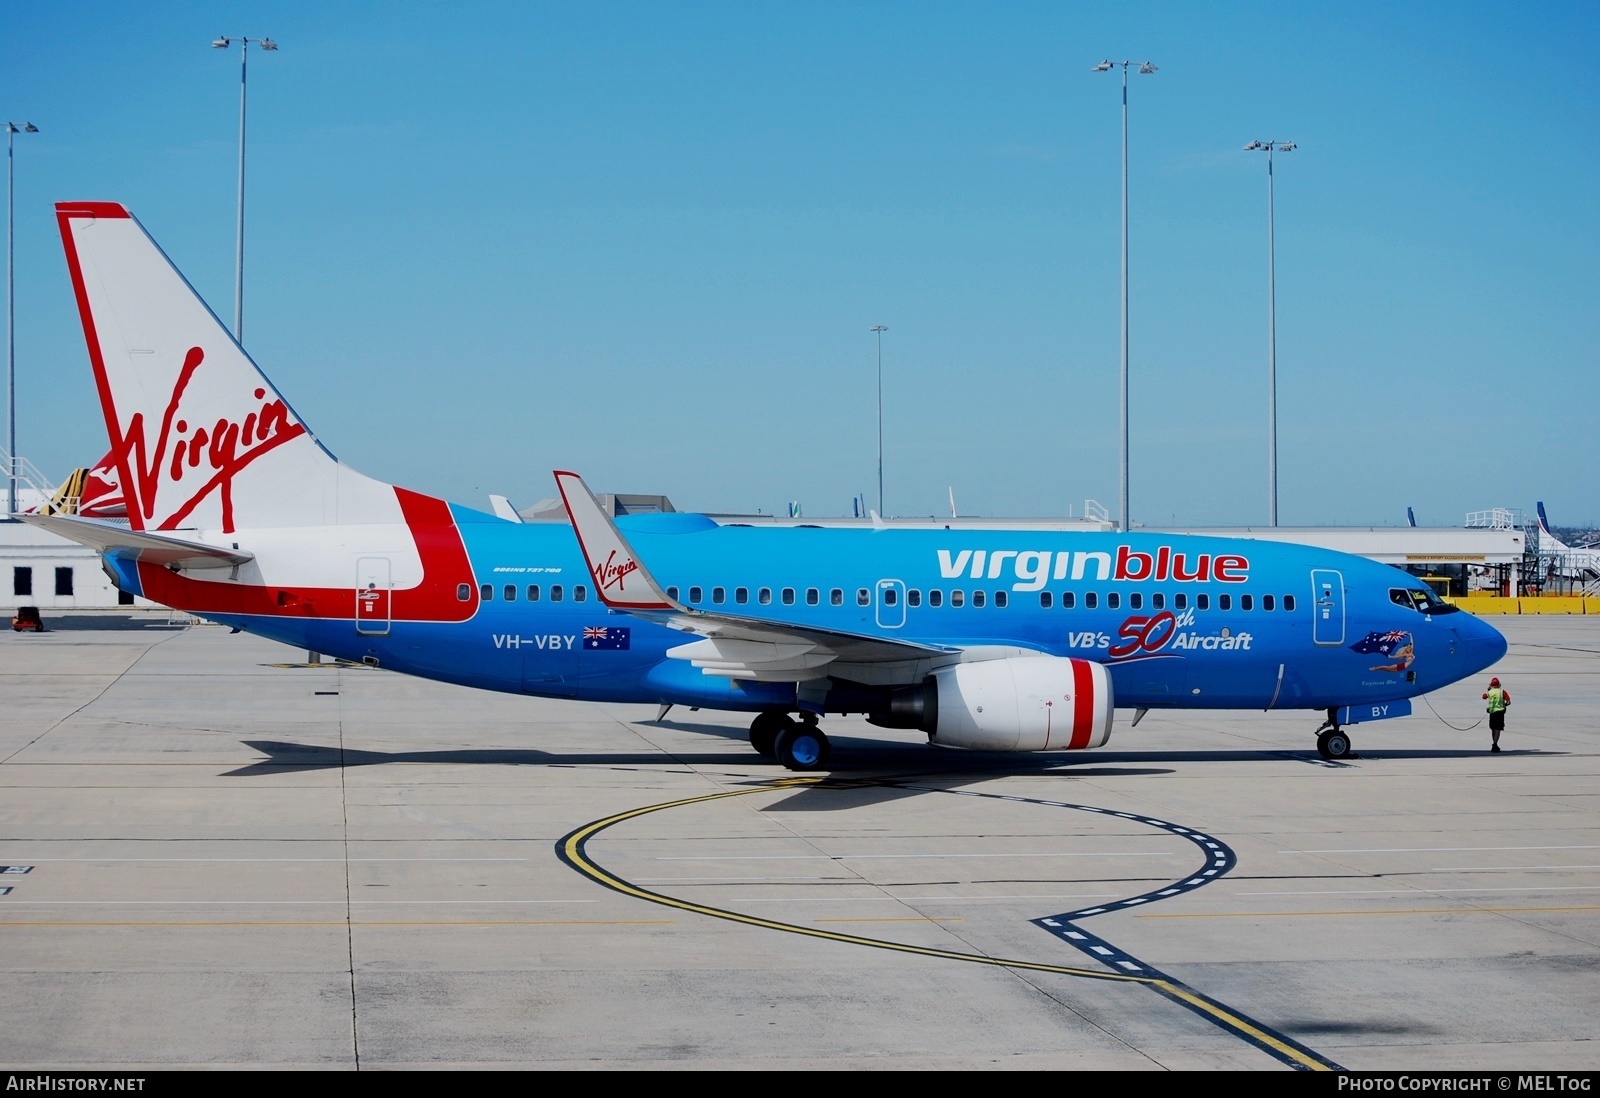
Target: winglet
(620,580)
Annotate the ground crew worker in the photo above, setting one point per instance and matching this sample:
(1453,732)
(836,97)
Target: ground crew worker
(1498,698)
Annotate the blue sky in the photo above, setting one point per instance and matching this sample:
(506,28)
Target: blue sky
(647,241)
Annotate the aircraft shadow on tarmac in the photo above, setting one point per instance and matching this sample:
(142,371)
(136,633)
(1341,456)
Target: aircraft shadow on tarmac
(882,763)
(858,760)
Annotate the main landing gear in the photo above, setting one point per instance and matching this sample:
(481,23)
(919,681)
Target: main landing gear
(1332,741)
(797,744)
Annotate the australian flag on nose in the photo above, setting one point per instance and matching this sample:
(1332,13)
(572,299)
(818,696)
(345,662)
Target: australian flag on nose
(613,637)
(1385,643)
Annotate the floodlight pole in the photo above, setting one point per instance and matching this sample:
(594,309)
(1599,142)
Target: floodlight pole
(1146,68)
(1272,331)
(12,129)
(238,270)
(880,329)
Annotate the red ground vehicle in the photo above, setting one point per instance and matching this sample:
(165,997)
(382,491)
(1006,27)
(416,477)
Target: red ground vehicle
(27,617)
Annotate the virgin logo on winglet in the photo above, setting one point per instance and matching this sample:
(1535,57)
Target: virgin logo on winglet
(611,574)
(223,448)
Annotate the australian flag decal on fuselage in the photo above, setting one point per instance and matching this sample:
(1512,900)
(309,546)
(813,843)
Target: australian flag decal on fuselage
(614,638)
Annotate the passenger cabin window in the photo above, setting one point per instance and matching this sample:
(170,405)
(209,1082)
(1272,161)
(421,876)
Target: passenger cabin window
(486,592)
(957,598)
(672,593)
(463,591)
(1267,602)
(556,592)
(1069,599)
(863,597)
(509,592)
(811,596)
(1180,601)
(741,595)
(1044,600)
(1288,602)
(764,596)
(580,593)
(836,597)
(1113,600)
(533,593)
(1247,602)
(1136,601)
(788,596)
(694,594)
(1000,598)
(890,596)
(1090,600)
(1224,602)
(1202,602)
(1159,601)
(719,595)
(913,597)
(936,598)
(977,598)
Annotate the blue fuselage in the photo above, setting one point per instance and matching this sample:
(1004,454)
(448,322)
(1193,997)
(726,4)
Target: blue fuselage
(1180,621)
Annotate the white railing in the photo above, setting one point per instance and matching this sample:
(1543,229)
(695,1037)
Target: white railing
(1496,518)
(32,488)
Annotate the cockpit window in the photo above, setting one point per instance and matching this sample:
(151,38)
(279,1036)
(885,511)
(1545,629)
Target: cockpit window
(1423,600)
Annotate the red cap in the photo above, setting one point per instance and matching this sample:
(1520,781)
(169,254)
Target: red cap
(1494,682)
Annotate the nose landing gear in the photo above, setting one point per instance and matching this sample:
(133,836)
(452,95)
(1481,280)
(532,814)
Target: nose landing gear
(1332,741)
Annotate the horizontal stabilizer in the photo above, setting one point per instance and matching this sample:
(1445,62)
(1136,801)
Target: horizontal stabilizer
(503,509)
(168,552)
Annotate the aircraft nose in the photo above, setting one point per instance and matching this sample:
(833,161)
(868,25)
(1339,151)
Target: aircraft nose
(1485,645)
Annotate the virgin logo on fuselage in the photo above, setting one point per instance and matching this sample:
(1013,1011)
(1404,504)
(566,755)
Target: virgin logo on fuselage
(1032,568)
(217,451)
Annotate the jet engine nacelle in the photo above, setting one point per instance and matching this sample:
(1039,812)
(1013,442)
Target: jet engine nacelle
(1026,703)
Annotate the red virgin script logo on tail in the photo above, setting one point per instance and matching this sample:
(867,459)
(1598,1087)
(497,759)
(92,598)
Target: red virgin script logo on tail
(611,574)
(224,448)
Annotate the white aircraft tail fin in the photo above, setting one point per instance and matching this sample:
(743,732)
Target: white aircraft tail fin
(200,438)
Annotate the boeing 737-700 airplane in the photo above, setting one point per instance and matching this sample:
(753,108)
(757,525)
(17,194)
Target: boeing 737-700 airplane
(1019,640)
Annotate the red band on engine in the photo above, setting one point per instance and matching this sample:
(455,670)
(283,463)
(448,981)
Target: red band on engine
(1083,703)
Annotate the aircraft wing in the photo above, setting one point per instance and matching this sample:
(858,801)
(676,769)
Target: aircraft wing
(159,549)
(732,645)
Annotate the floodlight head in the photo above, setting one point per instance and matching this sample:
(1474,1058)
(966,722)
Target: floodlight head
(879,328)
(29,127)
(1104,66)
(1286,146)
(1147,67)
(1253,146)
(268,44)
(220,43)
